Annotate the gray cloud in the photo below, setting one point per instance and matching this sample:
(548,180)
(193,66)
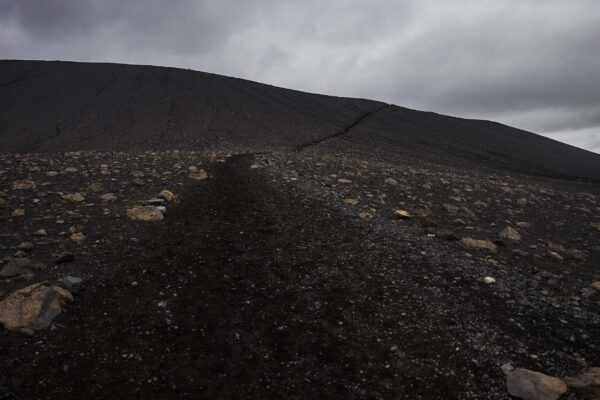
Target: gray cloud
(534,64)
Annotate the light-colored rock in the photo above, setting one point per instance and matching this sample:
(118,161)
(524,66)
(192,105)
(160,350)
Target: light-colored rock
(489,280)
(109,197)
(365,215)
(255,166)
(556,247)
(145,213)
(532,385)
(391,181)
(351,202)
(475,244)
(18,212)
(344,181)
(401,214)
(25,246)
(40,232)
(77,237)
(555,255)
(510,233)
(76,197)
(33,307)
(24,185)
(586,384)
(595,285)
(167,195)
(199,175)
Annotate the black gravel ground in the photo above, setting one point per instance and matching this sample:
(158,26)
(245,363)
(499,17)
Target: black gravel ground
(254,288)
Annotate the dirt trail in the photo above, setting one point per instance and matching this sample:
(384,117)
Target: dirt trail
(250,291)
(345,130)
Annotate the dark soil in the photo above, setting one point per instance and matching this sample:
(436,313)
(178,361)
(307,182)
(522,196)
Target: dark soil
(252,289)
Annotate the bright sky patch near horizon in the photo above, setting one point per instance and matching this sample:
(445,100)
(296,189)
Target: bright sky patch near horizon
(532,64)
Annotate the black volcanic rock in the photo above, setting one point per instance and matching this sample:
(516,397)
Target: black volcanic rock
(58,106)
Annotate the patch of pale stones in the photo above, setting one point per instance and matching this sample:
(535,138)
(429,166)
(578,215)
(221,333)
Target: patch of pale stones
(154,210)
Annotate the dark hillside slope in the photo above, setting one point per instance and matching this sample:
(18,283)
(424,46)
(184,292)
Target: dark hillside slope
(397,130)
(53,106)
(57,106)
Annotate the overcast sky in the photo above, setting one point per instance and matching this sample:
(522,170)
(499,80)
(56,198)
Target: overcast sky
(533,64)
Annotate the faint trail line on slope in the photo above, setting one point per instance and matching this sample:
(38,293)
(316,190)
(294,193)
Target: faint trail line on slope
(344,130)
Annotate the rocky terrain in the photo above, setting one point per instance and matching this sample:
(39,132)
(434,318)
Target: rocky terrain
(330,265)
(293,274)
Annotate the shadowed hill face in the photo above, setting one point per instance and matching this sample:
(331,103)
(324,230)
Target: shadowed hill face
(57,106)
(53,106)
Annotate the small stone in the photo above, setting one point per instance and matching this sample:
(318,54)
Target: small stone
(25,246)
(255,166)
(199,175)
(109,197)
(391,181)
(40,232)
(510,233)
(72,283)
(475,244)
(531,385)
(138,181)
(351,202)
(555,255)
(145,213)
(401,214)
(595,285)
(167,195)
(365,215)
(344,181)
(19,212)
(76,197)
(24,185)
(489,280)
(77,237)
(556,247)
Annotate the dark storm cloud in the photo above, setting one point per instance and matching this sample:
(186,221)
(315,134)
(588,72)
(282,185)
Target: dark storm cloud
(530,63)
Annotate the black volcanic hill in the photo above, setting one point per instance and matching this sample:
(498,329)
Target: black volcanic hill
(57,106)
